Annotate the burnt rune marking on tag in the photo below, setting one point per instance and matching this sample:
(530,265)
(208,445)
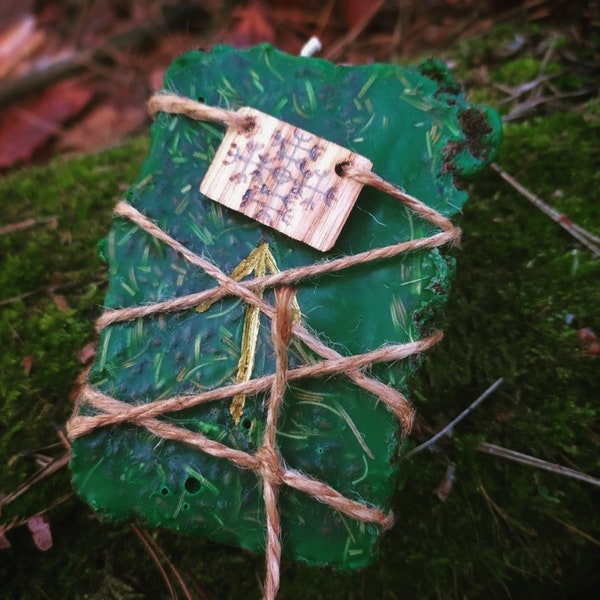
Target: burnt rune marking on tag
(284,177)
(244,159)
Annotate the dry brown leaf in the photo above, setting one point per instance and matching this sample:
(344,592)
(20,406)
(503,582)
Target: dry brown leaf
(251,25)
(443,490)
(40,532)
(588,341)
(355,11)
(4,543)
(102,127)
(27,365)
(61,303)
(11,12)
(156,77)
(26,127)
(18,42)
(87,353)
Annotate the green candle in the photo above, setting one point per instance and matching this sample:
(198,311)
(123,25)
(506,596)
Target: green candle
(416,127)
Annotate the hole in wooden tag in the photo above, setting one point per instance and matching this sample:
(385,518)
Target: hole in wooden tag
(286,178)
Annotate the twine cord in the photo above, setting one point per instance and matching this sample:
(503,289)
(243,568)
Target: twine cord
(115,412)
(271,470)
(178,105)
(288,276)
(266,462)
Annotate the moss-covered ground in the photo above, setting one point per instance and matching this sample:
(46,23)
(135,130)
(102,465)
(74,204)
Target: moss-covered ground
(522,291)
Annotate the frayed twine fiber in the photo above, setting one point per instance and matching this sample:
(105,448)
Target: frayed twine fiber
(266,462)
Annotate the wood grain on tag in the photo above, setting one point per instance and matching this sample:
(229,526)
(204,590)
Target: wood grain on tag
(284,177)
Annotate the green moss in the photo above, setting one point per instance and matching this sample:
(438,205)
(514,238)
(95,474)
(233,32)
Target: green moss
(519,276)
(518,71)
(558,65)
(52,257)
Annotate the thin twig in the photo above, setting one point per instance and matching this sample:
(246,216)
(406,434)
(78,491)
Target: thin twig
(144,537)
(579,233)
(448,429)
(573,529)
(513,93)
(335,50)
(158,554)
(537,463)
(20,522)
(524,107)
(50,289)
(26,224)
(49,469)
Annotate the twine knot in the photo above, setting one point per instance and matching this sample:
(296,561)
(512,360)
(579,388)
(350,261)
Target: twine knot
(269,465)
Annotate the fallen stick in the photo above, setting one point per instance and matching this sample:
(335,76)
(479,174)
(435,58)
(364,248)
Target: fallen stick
(50,289)
(51,468)
(25,224)
(448,429)
(537,463)
(589,240)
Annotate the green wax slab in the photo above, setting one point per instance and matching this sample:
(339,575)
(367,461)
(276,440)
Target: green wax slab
(419,131)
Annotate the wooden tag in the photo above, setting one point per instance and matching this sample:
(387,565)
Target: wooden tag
(284,177)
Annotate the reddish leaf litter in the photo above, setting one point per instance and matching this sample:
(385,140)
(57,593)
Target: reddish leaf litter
(40,532)
(588,341)
(74,76)
(87,353)
(27,365)
(445,487)
(27,126)
(4,543)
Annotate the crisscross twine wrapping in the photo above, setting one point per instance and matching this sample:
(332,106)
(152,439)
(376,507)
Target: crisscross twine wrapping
(266,462)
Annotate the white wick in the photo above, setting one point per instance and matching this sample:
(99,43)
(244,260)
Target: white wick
(311,47)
